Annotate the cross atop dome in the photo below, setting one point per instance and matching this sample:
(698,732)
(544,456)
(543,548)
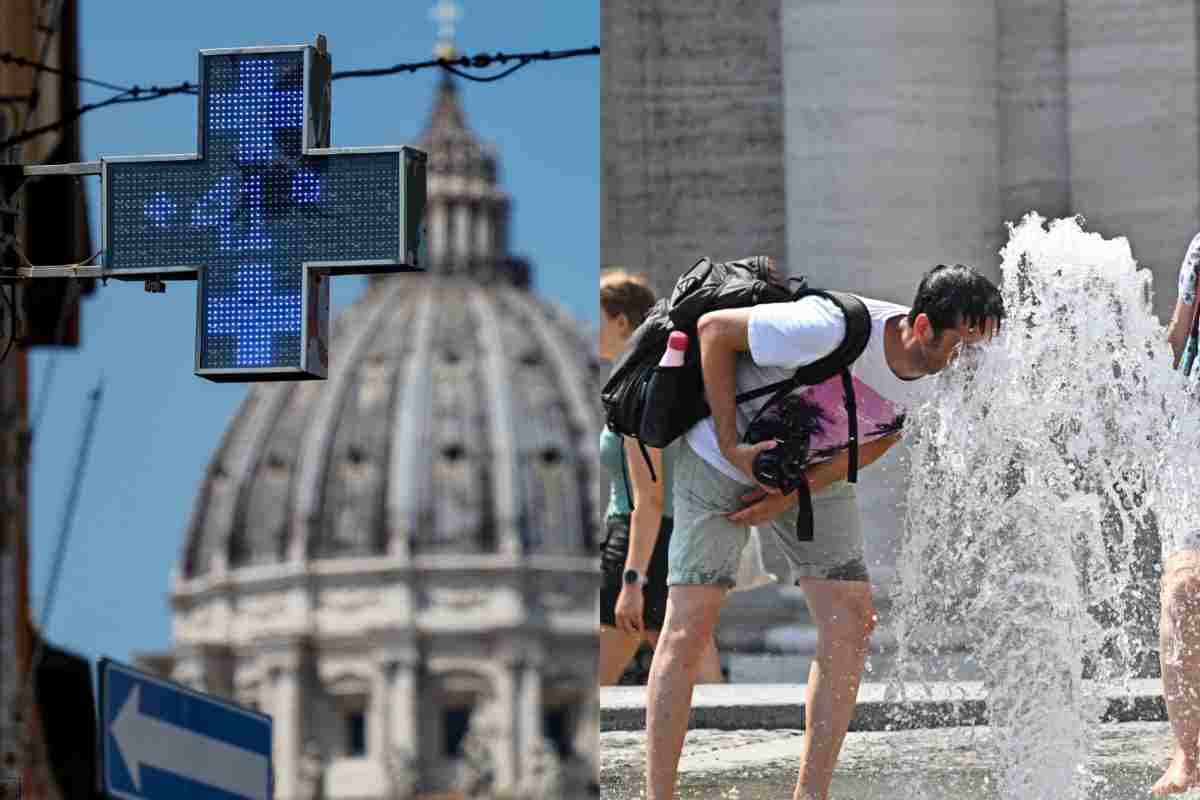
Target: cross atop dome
(446,13)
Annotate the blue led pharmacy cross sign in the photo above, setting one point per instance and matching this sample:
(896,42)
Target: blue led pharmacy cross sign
(264,213)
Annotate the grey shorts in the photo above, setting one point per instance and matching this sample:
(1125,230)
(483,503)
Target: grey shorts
(706,547)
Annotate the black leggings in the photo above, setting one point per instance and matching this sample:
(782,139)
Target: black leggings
(612,561)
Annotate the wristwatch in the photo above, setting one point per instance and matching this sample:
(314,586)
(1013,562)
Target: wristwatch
(633,576)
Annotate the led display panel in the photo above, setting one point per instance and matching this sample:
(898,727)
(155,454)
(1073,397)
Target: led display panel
(264,214)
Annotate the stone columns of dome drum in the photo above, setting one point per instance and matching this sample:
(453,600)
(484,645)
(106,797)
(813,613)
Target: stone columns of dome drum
(399,714)
(500,237)
(484,249)
(284,661)
(529,714)
(439,244)
(507,688)
(206,668)
(462,232)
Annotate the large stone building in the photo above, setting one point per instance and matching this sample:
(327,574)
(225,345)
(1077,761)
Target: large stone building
(397,564)
(862,142)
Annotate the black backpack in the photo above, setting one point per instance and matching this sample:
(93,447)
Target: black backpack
(713,286)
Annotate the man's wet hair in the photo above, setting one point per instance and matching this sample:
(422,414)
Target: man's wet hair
(953,294)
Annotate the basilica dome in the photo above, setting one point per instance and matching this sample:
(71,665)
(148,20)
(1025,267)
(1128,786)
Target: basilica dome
(397,563)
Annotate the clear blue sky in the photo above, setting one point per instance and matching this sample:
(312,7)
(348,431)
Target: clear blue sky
(159,423)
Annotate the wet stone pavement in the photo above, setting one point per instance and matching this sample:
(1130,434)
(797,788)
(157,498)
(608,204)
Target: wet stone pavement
(938,764)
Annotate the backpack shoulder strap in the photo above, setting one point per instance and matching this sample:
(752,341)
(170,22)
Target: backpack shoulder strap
(858,333)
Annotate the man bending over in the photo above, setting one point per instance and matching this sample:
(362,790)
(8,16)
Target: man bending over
(717,499)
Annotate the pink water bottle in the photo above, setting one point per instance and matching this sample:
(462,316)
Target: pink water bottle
(676,346)
(666,390)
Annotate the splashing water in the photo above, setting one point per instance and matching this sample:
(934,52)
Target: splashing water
(1044,466)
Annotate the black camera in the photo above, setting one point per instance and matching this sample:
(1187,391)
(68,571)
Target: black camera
(791,424)
(782,467)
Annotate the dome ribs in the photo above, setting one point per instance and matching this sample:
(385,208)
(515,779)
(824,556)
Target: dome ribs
(497,385)
(350,514)
(315,445)
(215,514)
(460,514)
(556,451)
(408,451)
(260,533)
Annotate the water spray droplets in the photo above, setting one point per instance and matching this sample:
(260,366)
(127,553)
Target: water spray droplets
(1038,480)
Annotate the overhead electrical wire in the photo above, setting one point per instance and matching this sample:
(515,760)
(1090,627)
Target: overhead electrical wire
(137,94)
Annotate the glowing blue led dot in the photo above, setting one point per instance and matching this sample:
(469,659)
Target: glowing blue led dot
(306,187)
(160,208)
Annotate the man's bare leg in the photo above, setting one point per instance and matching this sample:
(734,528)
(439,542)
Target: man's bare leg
(692,614)
(710,662)
(617,649)
(1179,655)
(845,616)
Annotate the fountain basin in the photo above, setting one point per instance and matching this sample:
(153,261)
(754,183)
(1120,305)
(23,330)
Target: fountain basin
(781,706)
(942,764)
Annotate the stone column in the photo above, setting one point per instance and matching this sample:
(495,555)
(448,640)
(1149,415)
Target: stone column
(506,707)
(438,240)
(462,232)
(483,231)
(692,129)
(401,733)
(284,664)
(1134,116)
(529,714)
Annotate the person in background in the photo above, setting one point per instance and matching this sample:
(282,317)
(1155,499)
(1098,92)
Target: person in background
(639,518)
(1179,627)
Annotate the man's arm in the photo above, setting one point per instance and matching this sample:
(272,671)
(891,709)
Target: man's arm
(1181,320)
(766,507)
(723,335)
(1177,331)
(837,468)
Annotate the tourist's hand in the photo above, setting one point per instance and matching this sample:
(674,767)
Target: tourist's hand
(742,456)
(762,507)
(630,605)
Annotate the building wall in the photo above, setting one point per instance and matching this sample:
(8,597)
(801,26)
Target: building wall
(692,134)
(1134,143)
(891,140)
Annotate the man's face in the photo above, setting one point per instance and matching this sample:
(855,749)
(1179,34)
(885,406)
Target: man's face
(938,350)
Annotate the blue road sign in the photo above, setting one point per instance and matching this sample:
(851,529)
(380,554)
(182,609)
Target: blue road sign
(264,213)
(164,741)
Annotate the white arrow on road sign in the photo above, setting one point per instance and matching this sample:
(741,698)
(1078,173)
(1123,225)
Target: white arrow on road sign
(146,741)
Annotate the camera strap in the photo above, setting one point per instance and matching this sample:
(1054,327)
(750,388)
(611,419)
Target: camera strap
(851,424)
(804,513)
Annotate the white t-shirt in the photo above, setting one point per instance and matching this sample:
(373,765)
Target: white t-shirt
(786,336)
